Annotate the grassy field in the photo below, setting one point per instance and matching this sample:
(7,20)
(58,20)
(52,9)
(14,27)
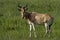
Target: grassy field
(12,27)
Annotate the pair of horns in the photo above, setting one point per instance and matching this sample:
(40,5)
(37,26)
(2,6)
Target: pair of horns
(21,6)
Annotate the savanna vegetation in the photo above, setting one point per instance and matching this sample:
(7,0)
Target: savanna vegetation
(13,27)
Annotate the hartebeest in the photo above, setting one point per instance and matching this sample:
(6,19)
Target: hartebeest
(35,17)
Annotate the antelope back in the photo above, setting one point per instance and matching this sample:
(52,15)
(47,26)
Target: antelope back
(40,18)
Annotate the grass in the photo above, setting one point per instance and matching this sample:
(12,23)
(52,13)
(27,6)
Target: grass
(12,27)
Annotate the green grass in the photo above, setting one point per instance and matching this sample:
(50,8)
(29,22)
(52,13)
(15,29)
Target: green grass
(12,27)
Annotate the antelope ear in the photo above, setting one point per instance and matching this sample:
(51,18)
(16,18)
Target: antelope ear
(25,7)
(19,6)
(19,9)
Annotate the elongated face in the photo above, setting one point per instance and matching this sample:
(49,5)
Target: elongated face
(22,10)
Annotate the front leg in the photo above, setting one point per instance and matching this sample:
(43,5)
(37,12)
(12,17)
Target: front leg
(30,30)
(34,30)
(29,22)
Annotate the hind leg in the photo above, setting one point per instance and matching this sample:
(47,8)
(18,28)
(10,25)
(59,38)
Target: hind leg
(49,28)
(46,27)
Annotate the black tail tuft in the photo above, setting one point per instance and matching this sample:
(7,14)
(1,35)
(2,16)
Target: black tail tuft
(52,19)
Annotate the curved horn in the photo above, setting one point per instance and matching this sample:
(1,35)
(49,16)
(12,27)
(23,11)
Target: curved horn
(19,6)
(25,6)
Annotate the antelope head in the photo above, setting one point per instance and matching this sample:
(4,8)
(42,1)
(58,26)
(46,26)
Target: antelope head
(22,9)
